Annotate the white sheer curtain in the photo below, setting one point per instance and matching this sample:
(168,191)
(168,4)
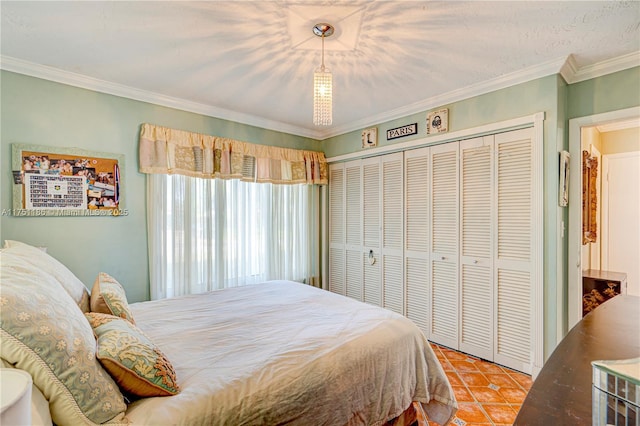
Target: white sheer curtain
(207,234)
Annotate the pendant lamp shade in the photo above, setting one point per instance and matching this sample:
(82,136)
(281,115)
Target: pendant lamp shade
(322,84)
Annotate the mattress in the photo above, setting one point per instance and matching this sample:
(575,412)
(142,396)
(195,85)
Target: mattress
(280,352)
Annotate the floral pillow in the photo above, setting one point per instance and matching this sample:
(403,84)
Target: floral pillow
(46,263)
(43,332)
(134,362)
(108,297)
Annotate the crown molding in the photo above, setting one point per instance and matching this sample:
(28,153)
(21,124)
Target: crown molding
(20,66)
(566,67)
(620,63)
(502,82)
(569,69)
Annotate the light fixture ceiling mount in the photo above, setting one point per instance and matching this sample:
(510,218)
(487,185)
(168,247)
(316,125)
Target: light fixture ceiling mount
(322,83)
(323,29)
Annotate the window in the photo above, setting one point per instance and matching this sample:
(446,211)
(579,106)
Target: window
(208,234)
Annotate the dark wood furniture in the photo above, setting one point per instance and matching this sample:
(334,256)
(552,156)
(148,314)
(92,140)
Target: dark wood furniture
(561,394)
(599,286)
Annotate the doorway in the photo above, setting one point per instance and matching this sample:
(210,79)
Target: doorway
(577,258)
(620,246)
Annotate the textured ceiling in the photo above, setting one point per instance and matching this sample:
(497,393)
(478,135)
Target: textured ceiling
(252,61)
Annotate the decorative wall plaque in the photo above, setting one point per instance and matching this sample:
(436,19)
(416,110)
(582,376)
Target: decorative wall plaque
(370,137)
(402,131)
(438,121)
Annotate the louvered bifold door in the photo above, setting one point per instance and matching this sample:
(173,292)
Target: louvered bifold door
(444,245)
(372,215)
(416,252)
(476,266)
(513,253)
(336,228)
(353,217)
(393,231)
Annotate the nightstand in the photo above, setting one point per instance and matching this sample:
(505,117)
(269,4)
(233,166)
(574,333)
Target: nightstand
(15,397)
(599,286)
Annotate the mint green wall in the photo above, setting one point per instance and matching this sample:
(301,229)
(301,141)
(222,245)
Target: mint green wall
(610,92)
(40,112)
(36,111)
(540,95)
(563,242)
(516,101)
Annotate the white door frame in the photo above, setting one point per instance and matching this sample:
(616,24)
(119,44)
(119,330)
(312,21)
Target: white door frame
(574,293)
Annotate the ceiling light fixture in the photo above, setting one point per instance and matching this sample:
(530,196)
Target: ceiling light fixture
(322,84)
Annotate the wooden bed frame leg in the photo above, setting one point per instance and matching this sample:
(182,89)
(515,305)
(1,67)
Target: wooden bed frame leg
(414,415)
(421,417)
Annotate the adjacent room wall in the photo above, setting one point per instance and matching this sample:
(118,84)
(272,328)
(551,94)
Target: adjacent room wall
(619,141)
(621,204)
(36,111)
(599,145)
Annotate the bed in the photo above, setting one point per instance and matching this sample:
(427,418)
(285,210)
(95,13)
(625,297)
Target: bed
(278,352)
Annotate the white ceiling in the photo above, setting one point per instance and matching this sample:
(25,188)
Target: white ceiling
(253,61)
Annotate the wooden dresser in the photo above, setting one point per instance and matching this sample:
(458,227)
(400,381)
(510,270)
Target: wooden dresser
(562,392)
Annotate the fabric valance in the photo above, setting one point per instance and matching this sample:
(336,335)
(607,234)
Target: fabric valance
(170,151)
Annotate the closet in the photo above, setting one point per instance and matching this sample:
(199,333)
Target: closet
(443,235)
(366,230)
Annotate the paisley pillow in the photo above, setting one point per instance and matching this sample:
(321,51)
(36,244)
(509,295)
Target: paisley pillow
(134,362)
(108,297)
(46,263)
(43,332)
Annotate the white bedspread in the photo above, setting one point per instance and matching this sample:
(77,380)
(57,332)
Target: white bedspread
(287,353)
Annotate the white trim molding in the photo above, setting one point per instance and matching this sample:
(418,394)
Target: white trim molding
(574,74)
(82,81)
(473,132)
(566,67)
(537,243)
(574,292)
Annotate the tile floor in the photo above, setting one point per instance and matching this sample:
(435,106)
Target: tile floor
(487,393)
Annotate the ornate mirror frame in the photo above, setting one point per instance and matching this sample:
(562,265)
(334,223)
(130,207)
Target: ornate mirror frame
(589,198)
